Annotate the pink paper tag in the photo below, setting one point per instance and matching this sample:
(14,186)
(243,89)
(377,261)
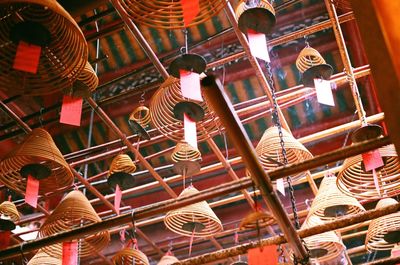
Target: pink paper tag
(280,186)
(71,110)
(372,160)
(190,10)
(70,253)
(324,92)
(190,131)
(117,199)
(190,85)
(376,182)
(27,57)
(265,256)
(258,45)
(32,191)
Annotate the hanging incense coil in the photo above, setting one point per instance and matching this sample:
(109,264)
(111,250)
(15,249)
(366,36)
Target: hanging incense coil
(9,209)
(384,232)
(129,256)
(42,258)
(269,150)
(86,83)
(44,23)
(308,58)
(330,202)
(39,156)
(257,220)
(167,14)
(255,15)
(74,211)
(185,152)
(196,219)
(141,115)
(162,113)
(323,247)
(354,181)
(120,171)
(167,259)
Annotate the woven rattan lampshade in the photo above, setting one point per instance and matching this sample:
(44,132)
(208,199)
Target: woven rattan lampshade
(44,23)
(198,216)
(383,230)
(42,258)
(355,181)
(120,171)
(330,202)
(168,14)
(269,147)
(161,109)
(129,256)
(74,211)
(167,259)
(86,83)
(8,209)
(37,148)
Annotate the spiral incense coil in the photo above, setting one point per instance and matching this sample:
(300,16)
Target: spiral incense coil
(141,115)
(354,181)
(167,14)
(185,152)
(161,109)
(167,259)
(255,15)
(74,211)
(196,215)
(42,258)
(330,202)
(269,150)
(122,163)
(37,148)
(129,256)
(257,220)
(86,83)
(381,227)
(8,209)
(307,58)
(45,23)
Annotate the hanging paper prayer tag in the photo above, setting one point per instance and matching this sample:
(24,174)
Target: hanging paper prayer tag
(190,10)
(258,45)
(27,57)
(280,186)
(70,253)
(324,92)
(376,182)
(265,256)
(117,198)
(372,160)
(71,110)
(190,85)
(32,191)
(190,130)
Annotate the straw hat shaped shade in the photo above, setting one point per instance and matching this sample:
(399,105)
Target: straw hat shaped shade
(45,23)
(167,14)
(330,202)
(86,83)
(74,211)
(167,259)
(269,147)
(198,217)
(384,232)
(259,16)
(129,256)
(161,109)
(120,171)
(42,258)
(38,156)
(355,181)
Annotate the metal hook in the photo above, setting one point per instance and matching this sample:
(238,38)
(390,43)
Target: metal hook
(185,49)
(133,224)
(41,116)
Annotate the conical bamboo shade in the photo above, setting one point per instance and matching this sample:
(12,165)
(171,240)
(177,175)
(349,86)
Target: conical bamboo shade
(86,83)
(270,147)
(161,109)
(122,163)
(330,202)
(382,226)
(8,209)
(167,259)
(185,152)
(37,148)
(64,52)
(74,211)
(199,213)
(325,246)
(308,58)
(355,181)
(129,256)
(42,258)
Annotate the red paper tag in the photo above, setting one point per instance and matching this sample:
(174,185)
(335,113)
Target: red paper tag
(27,57)
(372,160)
(265,256)
(122,235)
(117,198)
(258,45)
(71,110)
(190,85)
(190,131)
(5,237)
(324,91)
(70,253)
(190,10)
(32,191)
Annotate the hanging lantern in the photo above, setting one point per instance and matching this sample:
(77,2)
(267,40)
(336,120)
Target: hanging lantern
(384,232)
(120,172)
(8,216)
(195,220)
(139,120)
(257,220)
(355,181)
(269,150)
(257,15)
(85,84)
(74,211)
(185,158)
(168,259)
(330,202)
(42,258)
(43,49)
(129,256)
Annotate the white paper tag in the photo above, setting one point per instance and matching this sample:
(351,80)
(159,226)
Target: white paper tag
(324,92)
